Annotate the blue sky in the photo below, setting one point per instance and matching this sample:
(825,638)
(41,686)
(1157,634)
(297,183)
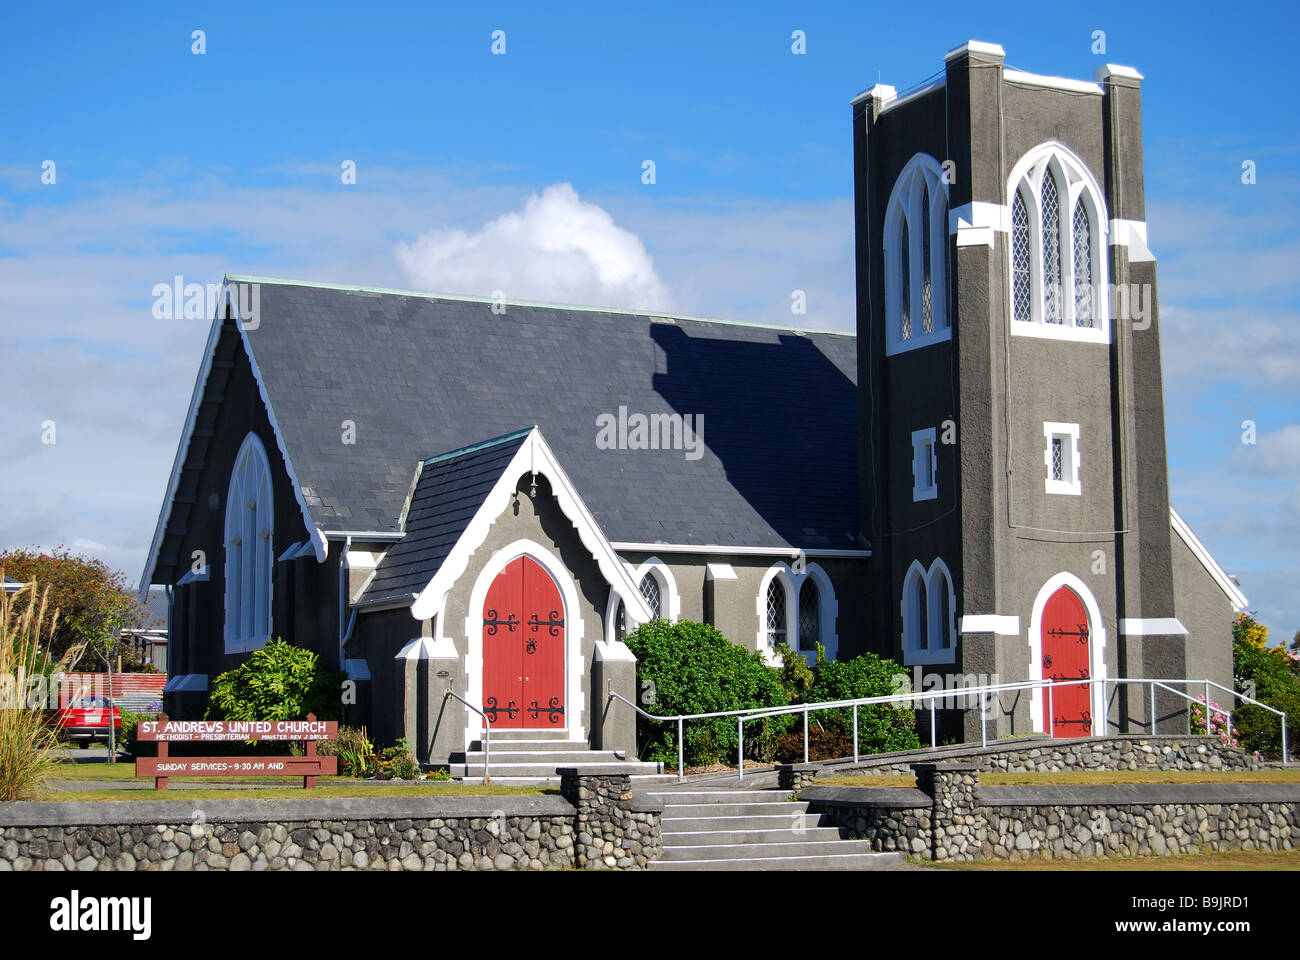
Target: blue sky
(172,163)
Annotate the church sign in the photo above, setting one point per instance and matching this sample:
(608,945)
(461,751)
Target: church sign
(164,731)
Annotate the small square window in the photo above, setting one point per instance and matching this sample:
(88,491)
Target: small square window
(1062,458)
(925,466)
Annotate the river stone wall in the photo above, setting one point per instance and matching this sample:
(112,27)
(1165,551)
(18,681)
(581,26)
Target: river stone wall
(949,816)
(435,833)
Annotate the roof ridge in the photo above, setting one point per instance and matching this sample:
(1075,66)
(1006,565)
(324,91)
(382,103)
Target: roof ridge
(466,298)
(483,445)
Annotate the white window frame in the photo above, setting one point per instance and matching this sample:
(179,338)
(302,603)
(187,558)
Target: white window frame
(827,613)
(905,206)
(250,520)
(1069,434)
(939,645)
(1074,181)
(923,445)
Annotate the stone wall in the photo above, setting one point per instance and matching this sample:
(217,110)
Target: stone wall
(608,823)
(949,816)
(615,828)
(1137,752)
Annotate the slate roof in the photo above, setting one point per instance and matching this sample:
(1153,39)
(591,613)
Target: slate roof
(419,373)
(448,492)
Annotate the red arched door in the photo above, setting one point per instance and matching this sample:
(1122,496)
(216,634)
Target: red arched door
(523,649)
(1066,656)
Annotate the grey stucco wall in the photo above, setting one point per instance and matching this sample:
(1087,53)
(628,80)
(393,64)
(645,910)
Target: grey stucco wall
(1207,613)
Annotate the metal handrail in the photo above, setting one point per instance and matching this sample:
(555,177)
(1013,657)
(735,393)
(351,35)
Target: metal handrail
(487,736)
(918,698)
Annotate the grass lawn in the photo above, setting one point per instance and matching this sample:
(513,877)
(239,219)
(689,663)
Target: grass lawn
(1226,860)
(336,789)
(1080,778)
(124,770)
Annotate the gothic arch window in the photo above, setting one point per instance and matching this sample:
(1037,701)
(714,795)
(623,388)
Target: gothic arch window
(929,627)
(653,593)
(917,268)
(798,609)
(250,521)
(810,625)
(1057,268)
(776,610)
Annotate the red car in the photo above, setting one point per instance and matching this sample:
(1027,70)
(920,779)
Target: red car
(87,719)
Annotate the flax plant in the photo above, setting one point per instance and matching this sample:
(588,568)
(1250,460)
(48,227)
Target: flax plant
(25,738)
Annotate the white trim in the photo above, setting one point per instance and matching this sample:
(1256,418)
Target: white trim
(1075,182)
(357,669)
(1152,627)
(535,456)
(975,46)
(1115,70)
(897,101)
(921,175)
(182,450)
(719,571)
(612,650)
(1133,235)
(923,651)
(202,576)
(989,623)
(428,648)
(828,612)
(248,580)
(1054,83)
(1235,596)
(921,440)
(668,593)
(318,538)
(1096,649)
(783,573)
(977,215)
(713,550)
(186,682)
(1072,487)
(881,91)
(574,631)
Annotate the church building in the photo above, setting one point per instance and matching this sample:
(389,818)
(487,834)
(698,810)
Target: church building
(442,492)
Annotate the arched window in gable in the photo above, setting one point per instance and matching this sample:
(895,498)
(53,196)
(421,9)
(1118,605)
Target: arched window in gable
(250,522)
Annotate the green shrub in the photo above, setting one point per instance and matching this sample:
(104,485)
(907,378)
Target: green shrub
(398,763)
(442,774)
(688,667)
(129,742)
(278,682)
(882,728)
(355,752)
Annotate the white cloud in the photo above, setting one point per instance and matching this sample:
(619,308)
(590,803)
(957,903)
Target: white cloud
(1275,454)
(557,248)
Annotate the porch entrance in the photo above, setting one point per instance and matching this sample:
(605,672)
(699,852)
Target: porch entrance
(523,649)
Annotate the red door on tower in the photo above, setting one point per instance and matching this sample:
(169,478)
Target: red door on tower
(523,649)
(1066,656)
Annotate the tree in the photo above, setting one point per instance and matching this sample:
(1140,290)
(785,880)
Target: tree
(93,600)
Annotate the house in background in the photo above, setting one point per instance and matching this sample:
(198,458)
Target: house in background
(451,493)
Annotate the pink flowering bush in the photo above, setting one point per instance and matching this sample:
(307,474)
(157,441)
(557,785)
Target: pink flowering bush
(1219,725)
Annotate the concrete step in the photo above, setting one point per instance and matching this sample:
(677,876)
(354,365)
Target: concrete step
(555,758)
(545,770)
(499,736)
(732,809)
(746,851)
(778,821)
(535,744)
(676,797)
(727,837)
(851,861)
(638,780)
